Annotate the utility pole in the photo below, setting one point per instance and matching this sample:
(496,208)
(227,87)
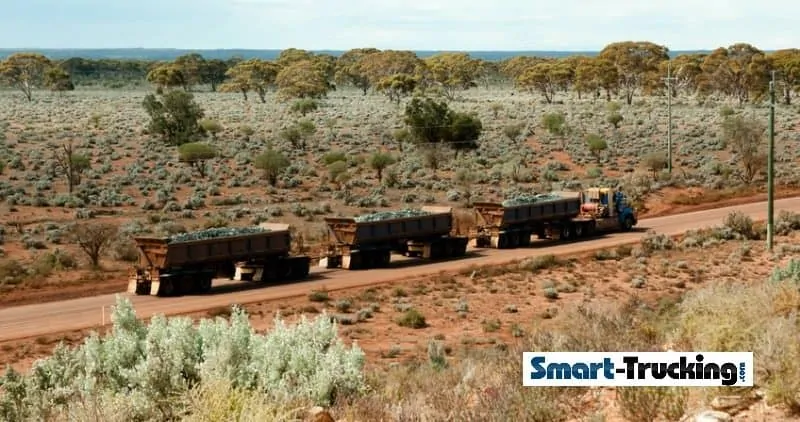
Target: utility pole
(771,165)
(669,80)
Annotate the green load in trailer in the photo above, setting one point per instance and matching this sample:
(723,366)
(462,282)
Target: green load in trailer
(556,215)
(368,241)
(188,262)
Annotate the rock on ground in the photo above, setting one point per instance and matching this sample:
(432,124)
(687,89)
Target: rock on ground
(711,416)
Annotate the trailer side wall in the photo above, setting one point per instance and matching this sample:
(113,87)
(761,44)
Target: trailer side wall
(225,249)
(557,209)
(429,225)
(351,232)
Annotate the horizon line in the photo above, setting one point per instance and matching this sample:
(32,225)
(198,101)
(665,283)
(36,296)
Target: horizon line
(325,49)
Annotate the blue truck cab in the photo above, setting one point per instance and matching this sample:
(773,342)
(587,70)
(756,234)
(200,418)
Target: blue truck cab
(610,206)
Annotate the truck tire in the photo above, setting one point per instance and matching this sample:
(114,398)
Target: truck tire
(579,231)
(524,239)
(566,232)
(204,286)
(166,287)
(627,224)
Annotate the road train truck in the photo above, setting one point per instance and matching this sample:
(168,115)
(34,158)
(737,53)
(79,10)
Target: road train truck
(368,241)
(557,215)
(187,263)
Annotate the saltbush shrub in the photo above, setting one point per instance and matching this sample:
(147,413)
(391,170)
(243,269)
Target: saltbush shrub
(142,370)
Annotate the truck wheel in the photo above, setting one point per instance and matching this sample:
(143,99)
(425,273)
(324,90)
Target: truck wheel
(627,224)
(566,232)
(524,239)
(579,230)
(166,288)
(205,285)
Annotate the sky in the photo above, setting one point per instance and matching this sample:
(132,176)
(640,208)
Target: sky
(565,25)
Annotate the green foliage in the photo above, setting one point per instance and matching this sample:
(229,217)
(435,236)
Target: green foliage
(211,126)
(298,133)
(333,157)
(746,138)
(786,222)
(596,145)
(554,123)
(142,371)
(412,318)
(336,169)
(614,119)
(379,161)
(306,127)
(196,154)
(246,131)
(174,117)
(655,162)
(25,71)
(790,273)
(196,151)
(437,355)
(741,224)
(613,107)
(272,163)
(428,120)
(646,404)
(513,132)
(464,131)
(726,111)
(432,122)
(304,106)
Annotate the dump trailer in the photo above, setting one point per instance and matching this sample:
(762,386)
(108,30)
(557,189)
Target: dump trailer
(558,215)
(188,262)
(368,241)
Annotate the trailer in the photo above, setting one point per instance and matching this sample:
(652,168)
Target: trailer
(174,266)
(363,244)
(559,215)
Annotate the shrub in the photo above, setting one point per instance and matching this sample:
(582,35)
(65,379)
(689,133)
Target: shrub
(764,322)
(318,296)
(554,123)
(379,161)
(742,224)
(272,163)
(787,222)
(139,370)
(333,157)
(196,154)
(412,318)
(614,119)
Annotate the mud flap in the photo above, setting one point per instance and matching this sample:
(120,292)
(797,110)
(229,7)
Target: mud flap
(154,286)
(133,286)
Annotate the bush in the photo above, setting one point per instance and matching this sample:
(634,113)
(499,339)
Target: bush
(787,222)
(554,123)
(272,163)
(755,317)
(412,318)
(139,370)
(742,224)
(196,151)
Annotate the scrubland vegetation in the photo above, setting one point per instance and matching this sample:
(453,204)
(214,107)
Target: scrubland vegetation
(354,134)
(224,369)
(120,148)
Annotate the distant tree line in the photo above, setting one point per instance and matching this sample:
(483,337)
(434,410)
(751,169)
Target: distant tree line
(621,70)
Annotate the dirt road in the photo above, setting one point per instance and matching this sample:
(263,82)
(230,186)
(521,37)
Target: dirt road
(55,317)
